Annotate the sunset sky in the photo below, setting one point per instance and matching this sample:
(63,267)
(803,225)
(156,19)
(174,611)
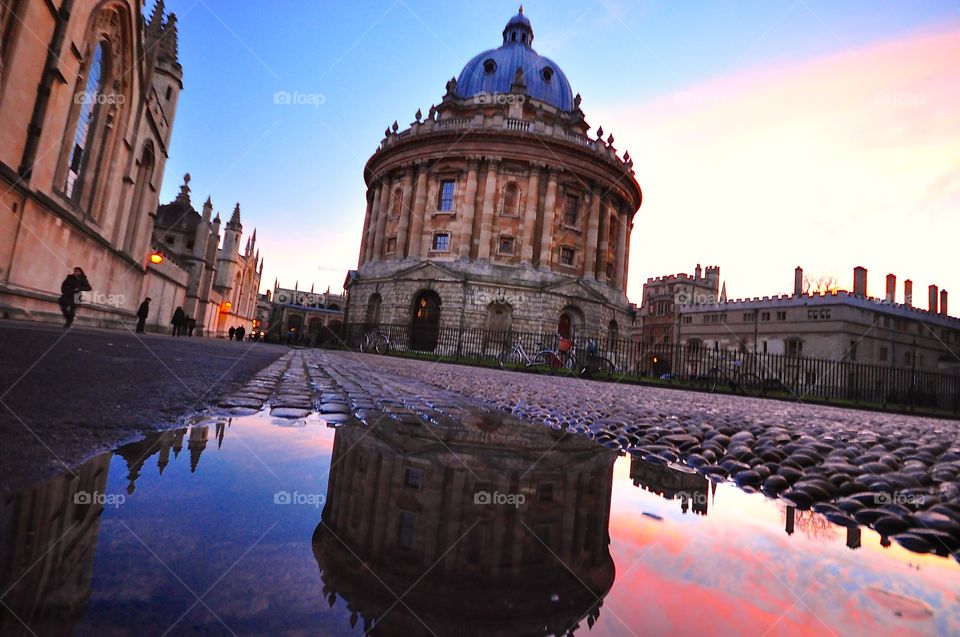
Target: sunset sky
(766,135)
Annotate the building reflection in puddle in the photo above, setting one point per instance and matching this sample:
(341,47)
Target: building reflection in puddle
(49,534)
(484,526)
(674,483)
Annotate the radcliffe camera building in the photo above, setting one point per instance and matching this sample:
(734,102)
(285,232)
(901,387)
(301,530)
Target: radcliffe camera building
(88,98)
(496,210)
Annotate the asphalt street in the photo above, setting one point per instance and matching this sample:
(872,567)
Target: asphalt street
(68,394)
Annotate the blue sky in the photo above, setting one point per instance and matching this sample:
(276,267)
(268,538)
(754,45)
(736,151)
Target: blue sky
(296,169)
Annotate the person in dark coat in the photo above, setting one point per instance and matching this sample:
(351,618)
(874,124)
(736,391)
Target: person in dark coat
(178,321)
(70,291)
(240,332)
(231,332)
(142,313)
(191,325)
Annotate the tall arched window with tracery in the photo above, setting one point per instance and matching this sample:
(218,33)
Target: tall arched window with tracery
(138,207)
(90,101)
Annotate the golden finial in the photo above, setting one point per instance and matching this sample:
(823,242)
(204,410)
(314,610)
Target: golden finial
(521,9)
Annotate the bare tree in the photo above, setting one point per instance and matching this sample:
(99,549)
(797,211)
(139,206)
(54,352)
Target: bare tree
(820,284)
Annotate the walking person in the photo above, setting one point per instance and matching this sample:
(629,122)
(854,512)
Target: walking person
(191,325)
(230,333)
(70,290)
(142,313)
(240,332)
(178,321)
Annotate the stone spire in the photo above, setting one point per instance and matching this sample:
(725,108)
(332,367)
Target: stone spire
(168,45)
(207,210)
(155,25)
(235,218)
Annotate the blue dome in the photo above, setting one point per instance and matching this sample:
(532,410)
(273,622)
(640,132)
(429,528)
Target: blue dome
(494,71)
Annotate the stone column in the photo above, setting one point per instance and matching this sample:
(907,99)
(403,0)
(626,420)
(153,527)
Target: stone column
(604,241)
(489,204)
(626,258)
(621,250)
(404,224)
(364,239)
(530,215)
(384,212)
(419,207)
(593,223)
(549,214)
(374,222)
(469,207)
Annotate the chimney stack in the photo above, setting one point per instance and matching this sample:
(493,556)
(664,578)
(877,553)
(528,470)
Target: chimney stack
(860,281)
(891,288)
(943,302)
(798,281)
(932,296)
(908,292)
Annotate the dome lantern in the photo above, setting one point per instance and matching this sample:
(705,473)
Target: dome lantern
(518,30)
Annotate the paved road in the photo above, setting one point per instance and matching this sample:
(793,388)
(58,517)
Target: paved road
(65,395)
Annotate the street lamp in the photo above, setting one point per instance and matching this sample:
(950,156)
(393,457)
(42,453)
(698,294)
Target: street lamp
(156,257)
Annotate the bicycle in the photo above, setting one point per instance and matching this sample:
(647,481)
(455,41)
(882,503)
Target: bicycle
(741,382)
(375,341)
(517,358)
(595,364)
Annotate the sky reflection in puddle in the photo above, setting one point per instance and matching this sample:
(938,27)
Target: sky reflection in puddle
(481,526)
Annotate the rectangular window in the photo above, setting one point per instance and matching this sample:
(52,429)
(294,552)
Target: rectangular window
(765,316)
(749,317)
(794,347)
(566,255)
(448,188)
(571,212)
(506,246)
(781,316)
(883,354)
(413,478)
(391,245)
(408,522)
(441,242)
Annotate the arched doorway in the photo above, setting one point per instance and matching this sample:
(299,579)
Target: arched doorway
(425,326)
(294,328)
(373,311)
(498,327)
(571,317)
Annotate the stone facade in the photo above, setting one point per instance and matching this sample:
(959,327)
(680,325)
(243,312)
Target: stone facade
(496,210)
(664,296)
(298,316)
(839,326)
(223,283)
(88,95)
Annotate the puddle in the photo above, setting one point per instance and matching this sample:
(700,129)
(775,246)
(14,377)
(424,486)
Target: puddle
(473,526)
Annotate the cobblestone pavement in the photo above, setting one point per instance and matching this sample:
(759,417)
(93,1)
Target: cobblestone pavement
(897,474)
(67,395)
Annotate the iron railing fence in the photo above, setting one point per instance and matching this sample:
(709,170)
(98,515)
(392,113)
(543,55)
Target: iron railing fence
(799,377)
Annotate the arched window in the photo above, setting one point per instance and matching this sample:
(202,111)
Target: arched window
(396,204)
(90,101)
(511,200)
(613,333)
